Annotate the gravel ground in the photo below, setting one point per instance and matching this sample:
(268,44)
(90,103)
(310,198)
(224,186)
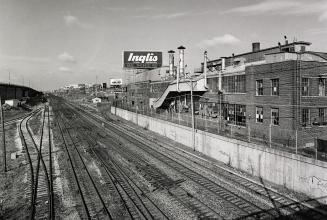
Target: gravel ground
(14,186)
(161,139)
(65,202)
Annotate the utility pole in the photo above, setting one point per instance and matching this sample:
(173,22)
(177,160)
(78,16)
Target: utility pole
(192,113)
(3,136)
(205,68)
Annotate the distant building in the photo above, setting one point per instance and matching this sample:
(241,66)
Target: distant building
(96,100)
(13,102)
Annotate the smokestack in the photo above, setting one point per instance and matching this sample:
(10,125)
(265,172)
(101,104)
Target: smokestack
(223,68)
(171,62)
(255,46)
(181,64)
(181,60)
(223,63)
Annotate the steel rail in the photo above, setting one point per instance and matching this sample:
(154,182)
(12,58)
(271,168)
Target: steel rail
(74,172)
(88,173)
(39,160)
(189,173)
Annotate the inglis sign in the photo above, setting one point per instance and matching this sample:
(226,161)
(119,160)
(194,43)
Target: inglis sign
(142,59)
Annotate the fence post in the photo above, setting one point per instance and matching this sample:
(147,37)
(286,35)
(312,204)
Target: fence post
(3,137)
(249,133)
(270,135)
(296,141)
(316,145)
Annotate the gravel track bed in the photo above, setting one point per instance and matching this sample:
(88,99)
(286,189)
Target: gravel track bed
(228,176)
(240,193)
(142,183)
(67,206)
(177,147)
(144,152)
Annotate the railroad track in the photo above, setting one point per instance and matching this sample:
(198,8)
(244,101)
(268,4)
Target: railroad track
(93,207)
(161,181)
(239,204)
(136,202)
(280,201)
(41,190)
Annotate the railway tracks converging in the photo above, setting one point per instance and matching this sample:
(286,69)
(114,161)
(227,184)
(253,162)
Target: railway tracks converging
(136,204)
(38,154)
(281,204)
(93,207)
(134,168)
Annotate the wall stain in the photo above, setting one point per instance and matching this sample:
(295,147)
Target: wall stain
(314,182)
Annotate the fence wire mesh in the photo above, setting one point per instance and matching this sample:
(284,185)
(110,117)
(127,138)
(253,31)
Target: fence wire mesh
(266,136)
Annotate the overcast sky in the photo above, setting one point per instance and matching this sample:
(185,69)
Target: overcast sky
(52,43)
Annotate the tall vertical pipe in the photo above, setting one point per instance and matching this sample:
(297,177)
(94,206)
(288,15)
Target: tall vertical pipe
(171,62)
(205,68)
(181,68)
(223,67)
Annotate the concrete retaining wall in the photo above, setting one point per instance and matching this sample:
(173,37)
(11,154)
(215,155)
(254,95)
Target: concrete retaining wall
(295,172)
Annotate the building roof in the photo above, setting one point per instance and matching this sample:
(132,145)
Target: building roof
(15,85)
(319,54)
(265,49)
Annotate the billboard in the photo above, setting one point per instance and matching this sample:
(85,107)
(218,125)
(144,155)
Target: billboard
(116,82)
(142,59)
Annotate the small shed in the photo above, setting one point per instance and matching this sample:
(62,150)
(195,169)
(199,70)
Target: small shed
(96,100)
(12,102)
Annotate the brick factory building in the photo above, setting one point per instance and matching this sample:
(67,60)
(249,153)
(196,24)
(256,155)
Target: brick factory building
(276,94)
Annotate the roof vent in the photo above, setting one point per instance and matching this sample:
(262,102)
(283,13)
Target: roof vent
(255,46)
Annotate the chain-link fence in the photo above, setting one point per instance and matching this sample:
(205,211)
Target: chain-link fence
(301,142)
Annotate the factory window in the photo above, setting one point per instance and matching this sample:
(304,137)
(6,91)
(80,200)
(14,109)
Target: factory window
(305,117)
(240,115)
(302,48)
(322,115)
(259,87)
(240,84)
(213,84)
(322,87)
(231,113)
(275,116)
(275,87)
(259,114)
(231,84)
(234,84)
(305,86)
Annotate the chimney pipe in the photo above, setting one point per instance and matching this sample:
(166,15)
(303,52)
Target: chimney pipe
(223,68)
(255,46)
(181,64)
(171,62)
(181,60)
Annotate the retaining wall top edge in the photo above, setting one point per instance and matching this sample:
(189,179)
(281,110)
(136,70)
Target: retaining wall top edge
(245,144)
